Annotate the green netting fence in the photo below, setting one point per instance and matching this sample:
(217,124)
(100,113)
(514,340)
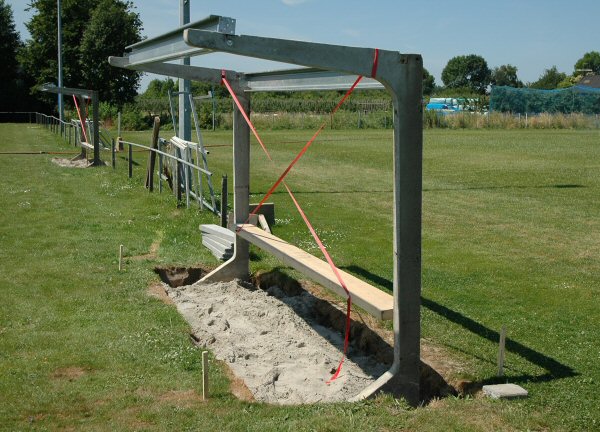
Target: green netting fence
(577,99)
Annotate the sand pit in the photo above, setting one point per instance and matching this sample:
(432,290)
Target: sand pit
(270,340)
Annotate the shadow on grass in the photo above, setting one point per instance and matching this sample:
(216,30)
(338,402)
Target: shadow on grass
(554,369)
(552,186)
(133,162)
(317,192)
(389,191)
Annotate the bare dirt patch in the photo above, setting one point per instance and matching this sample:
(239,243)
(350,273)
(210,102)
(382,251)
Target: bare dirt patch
(180,398)
(70,373)
(68,163)
(157,290)
(237,386)
(152,252)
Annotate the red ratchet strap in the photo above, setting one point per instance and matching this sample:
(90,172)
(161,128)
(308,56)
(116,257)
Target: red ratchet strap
(339,278)
(304,217)
(310,142)
(304,149)
(375,63)
(239,105)
(80,120)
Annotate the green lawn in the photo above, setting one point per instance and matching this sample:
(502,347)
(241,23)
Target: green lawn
(511,236)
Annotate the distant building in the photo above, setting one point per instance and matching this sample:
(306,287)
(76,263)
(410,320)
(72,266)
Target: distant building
(590,81)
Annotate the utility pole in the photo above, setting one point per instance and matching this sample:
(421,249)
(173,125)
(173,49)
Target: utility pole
(185,126)
(61,108)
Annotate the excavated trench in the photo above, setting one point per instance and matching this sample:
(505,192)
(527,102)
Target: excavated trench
(179,276)
(317,311)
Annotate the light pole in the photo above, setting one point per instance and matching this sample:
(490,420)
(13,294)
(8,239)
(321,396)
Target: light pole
(185,127)
(61,109)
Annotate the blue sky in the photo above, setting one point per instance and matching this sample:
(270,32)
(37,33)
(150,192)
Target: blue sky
(530,34)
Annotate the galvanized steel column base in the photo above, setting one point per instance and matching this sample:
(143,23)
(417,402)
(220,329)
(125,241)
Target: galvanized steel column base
(238,267)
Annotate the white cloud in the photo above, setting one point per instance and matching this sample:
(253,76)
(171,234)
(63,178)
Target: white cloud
(293,2)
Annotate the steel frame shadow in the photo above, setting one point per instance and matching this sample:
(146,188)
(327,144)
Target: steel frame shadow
(554,369)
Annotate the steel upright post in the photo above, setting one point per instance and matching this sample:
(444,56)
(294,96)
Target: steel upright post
(185,127)
(408,157)
(239,265)
(61,108)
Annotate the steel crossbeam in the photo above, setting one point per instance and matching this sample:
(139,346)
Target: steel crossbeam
(172,46)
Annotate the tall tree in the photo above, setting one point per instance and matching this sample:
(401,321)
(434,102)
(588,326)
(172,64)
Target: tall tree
(549,80)
(111,28)
(428,82)
(470,71)
(9,45)
(39,57)
(505,75)
(590,60)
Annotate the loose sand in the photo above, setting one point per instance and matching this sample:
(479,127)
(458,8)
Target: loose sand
(270,341)
(68,163)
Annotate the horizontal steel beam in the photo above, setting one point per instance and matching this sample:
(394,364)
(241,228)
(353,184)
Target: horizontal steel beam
(51,88)
(305,80)
(193,73)
(171,46)
(284,80)
(351,60)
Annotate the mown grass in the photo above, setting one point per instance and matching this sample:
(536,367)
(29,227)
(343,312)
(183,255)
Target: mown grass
(510,237)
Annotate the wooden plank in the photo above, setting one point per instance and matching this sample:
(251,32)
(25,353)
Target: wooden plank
(373,300)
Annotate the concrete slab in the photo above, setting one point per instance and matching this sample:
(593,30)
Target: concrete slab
(217,230)
(504,391)
(225,245)
(220,256)
(216,248)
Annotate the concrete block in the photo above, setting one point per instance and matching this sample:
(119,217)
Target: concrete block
(267,210)
(504,391)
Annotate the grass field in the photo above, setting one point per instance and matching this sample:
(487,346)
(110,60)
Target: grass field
(511,237)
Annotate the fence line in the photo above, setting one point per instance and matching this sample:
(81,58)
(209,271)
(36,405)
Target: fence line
(177,174)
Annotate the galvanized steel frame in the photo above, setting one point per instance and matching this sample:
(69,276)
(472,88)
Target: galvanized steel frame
(83,94)
(329,67)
